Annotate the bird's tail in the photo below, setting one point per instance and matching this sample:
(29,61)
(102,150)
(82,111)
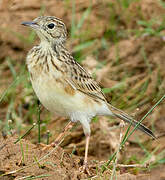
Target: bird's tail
(125,117)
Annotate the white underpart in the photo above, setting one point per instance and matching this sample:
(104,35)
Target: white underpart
(84,117)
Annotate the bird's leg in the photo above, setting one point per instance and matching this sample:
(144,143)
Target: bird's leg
(85,165)
(60,136)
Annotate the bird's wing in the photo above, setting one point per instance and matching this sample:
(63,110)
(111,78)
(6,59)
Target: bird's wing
(81,80)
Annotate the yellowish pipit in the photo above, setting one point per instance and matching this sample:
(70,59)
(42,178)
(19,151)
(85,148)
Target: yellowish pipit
(62,85)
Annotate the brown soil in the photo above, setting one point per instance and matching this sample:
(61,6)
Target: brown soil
(61,163)
(58,165)
(26,160)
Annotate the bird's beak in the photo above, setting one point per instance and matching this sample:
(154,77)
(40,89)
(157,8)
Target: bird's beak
(32,24)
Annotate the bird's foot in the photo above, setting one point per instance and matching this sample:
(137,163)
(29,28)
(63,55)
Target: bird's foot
(47,146)
(85,169)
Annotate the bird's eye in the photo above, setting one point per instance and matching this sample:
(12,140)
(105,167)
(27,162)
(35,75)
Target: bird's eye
(51,26)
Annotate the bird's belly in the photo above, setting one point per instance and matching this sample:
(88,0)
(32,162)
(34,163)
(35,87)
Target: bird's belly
(54,97)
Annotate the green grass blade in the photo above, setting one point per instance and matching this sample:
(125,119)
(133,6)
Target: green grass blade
(84,16)
(83,46)
(27,132)
(10,86)
(39,123)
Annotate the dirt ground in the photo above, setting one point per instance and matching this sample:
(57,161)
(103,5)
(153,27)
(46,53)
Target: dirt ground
(26,159)
(56,165)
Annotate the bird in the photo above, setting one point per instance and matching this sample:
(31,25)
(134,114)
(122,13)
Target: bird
(62,85)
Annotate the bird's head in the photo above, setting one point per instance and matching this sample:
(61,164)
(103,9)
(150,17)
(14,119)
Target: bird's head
(49,29)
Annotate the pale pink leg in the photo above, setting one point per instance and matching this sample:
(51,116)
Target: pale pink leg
(60,136)
(86,152)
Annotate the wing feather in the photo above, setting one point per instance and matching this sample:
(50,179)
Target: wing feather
(81,80)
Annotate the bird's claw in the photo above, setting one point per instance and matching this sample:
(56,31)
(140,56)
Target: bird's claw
(46,146)
(85,169)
